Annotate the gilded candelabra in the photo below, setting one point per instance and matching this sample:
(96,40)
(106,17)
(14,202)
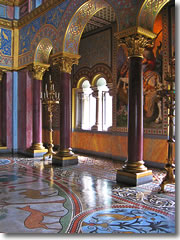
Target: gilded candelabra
(168,93)
(49,99)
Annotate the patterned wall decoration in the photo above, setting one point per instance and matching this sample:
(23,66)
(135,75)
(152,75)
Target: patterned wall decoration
(48,32)
(149,11)
(90,73)
(43,51)
(5,41)
(28,32)
(99,51)
(5,47)
(152,79)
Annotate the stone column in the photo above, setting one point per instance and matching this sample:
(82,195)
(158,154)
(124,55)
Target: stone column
(37,70)
(80,110)
(97,124)
(65,156)
(134,172)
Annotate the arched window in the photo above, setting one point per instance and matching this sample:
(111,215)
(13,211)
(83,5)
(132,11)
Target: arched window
(93,105)
(85,106)
(105,105)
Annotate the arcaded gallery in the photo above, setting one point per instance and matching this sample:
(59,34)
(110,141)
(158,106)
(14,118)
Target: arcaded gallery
(87,117)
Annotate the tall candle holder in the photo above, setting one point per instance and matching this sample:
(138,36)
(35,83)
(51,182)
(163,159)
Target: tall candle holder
(49,99)
(168,93)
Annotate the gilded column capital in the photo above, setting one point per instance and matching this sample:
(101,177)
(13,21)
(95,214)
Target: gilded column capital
(136,40)
(65,61)
(135,45)
(2,71)
(1,75)
(38,69)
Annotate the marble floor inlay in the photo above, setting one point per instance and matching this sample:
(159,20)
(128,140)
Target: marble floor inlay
(36,197)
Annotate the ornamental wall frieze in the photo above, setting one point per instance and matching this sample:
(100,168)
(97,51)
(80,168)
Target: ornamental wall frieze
(6,23)
(90,73)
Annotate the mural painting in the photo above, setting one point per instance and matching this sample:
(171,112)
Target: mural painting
(152,80)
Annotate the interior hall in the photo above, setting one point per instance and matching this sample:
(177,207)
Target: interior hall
(87,117)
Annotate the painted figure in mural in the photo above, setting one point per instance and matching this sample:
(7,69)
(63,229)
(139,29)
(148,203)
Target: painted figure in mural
(152,71)
(152,81)
(122,88)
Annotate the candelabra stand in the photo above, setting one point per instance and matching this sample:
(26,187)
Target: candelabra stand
(49,99)
(168,93)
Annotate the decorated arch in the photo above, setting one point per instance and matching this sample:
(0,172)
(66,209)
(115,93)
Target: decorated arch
(149,12)
(43,51)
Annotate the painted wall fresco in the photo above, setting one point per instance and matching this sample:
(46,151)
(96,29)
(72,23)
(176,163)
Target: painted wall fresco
(152,79)
(5,47)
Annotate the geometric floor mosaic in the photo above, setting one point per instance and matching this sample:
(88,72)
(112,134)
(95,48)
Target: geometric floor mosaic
(36,197)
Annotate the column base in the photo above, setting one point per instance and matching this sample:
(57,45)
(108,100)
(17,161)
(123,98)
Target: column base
(37,146)
(134,179)
(65,158)
(3,147)
(36,153)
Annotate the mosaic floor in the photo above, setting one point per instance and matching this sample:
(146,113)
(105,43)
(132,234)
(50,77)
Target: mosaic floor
(36,197)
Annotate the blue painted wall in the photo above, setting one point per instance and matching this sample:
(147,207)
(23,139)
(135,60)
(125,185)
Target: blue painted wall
(52,17)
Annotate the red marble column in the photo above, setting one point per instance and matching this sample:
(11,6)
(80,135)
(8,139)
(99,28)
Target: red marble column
(37,71)
(0,111)
(135,116)
(7,110)
(65,156)
(64,62)
(25,110)
(134,172)
(37,113)
(65,114)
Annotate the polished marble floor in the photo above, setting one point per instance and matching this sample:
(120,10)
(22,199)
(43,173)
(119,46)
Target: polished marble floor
(36,197)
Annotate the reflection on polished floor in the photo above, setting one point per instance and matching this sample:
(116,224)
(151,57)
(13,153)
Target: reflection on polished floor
(36,197)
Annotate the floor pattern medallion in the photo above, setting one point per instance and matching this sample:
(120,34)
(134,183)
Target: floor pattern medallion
(123,219)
